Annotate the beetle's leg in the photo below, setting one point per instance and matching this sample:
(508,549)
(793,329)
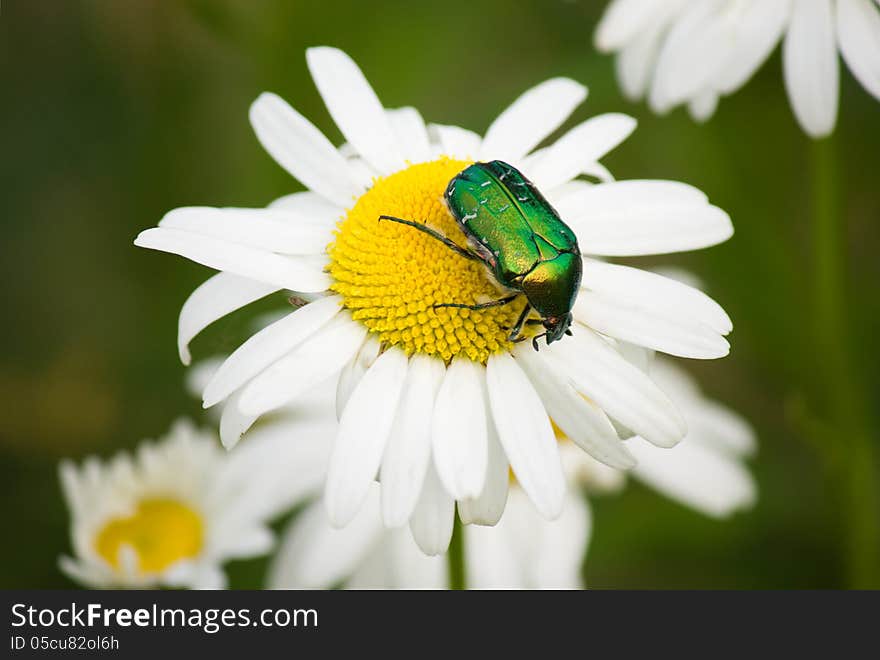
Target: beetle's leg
(478,306)
(536,338)
(518,326)
(433,233)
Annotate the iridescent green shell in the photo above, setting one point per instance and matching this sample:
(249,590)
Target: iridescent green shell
(518,234)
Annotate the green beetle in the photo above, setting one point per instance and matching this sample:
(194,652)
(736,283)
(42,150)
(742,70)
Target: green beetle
(513,230)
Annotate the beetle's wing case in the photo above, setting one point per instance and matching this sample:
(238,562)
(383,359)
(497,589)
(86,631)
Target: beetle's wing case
(536,211)
(492,223)
(503,213)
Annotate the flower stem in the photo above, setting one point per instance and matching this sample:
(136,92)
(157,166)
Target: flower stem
(455,556)
(848,450)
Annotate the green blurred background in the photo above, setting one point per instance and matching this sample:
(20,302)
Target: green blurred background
(115,112)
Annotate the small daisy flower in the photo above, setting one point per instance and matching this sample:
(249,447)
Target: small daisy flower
(435,399)
(696,51)
(705,472)
(173,512)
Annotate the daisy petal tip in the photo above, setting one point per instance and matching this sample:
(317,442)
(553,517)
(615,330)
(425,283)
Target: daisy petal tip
(229,442)
(393,517)
(340,510)
(431,550)
(625,462)
(578,90)
(565,87)
(317,52)
(143,239)
(551,508)
(260,105)
(625,120)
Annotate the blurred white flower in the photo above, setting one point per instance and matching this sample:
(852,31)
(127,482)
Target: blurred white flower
(438,401)
(696,51)
(706,472)
(174,511)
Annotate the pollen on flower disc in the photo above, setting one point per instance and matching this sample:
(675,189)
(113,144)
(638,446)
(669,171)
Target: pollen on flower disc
(390,275)
(160,531)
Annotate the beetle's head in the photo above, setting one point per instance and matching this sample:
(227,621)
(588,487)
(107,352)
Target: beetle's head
(552,287)
(555,327)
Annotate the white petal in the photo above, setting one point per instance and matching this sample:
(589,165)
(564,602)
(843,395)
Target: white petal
(83,573)
(858,30)
(630,218)
(311,205)
(456,142)
(284,232)
(408,451)
(644,326)
(562,546)
(693,53)
(295,273)
(580,147)
(355,107)
(585,199)
(708,422)
(218,296)
(488,508)
(640,356)
(599,171)
(301,149)
(431,522)
(493,556)
(581,420)
(623,20)
(363,431)
(531,118)
(557,196)
(458,430)
(398,563)
(623,391)
(321,356)
(636,61)
(699,477)
(268,345)
(281,464)
(409,565)
(525,433)
(412,136)
(810,65)
(353,372)
(233,422)
(758,26)
(315,555)
(720,428)
(652,291)
(703,105)
(210,577)
(252,542)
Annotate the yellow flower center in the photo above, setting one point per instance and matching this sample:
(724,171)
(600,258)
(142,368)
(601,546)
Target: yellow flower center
(161,532)
(390,275)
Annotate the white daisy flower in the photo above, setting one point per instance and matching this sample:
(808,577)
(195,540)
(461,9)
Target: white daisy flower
(438,402)
(524,550)
(696,51)
(173,512)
